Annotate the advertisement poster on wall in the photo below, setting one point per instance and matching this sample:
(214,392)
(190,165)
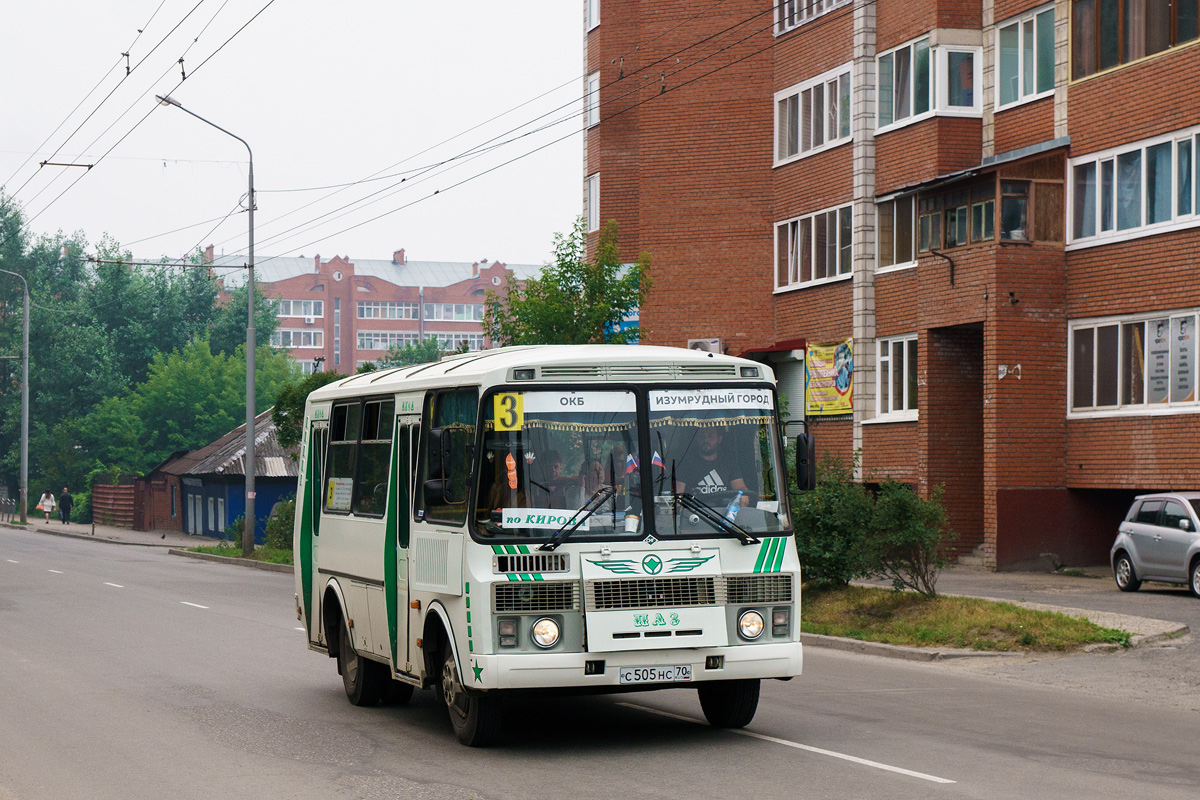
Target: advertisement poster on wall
(829,372)
(1183,342)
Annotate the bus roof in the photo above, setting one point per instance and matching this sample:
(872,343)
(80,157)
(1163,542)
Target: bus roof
(590,363)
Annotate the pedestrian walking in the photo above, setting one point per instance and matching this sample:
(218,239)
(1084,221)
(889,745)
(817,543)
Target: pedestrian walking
(46,504)
(65,501)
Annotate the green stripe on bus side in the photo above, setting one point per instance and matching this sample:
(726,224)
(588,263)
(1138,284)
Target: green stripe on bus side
(783,545)
(762,555)
(306,536)
(769,561)
(390,570)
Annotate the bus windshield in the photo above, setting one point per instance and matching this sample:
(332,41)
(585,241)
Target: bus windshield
(545,453)
(719,447)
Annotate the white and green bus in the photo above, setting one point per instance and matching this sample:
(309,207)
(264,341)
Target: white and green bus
(583,518)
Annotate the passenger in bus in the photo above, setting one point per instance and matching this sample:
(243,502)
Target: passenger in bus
(552,489)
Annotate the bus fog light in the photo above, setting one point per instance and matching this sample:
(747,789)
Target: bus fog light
(781,621)
(507,628)
(751,625)
(545,632)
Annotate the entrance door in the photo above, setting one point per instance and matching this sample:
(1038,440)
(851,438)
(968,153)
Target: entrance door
(308,513)
(399,517)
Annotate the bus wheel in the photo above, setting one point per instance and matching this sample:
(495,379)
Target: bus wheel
(475,718)
(362,677)
(729,704)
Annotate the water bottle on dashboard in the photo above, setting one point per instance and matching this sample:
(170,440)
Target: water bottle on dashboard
(735,505)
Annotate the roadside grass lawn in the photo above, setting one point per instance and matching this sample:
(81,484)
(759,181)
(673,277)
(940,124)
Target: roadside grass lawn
(907,618)
(271,555)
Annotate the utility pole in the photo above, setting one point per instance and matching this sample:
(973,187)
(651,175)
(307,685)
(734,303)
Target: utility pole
(24,492)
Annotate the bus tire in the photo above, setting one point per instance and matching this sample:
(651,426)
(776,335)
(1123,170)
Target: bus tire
(474,717)
(729,704)
(362,677)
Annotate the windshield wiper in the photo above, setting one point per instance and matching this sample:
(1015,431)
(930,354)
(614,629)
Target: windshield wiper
(593,504)
(719,522)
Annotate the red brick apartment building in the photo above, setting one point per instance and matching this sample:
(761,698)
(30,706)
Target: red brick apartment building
(994,202)
(346,313)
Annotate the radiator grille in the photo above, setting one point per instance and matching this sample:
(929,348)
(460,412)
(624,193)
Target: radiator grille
(755,589)
(572,371)
(707,370)
(535,596)
(651,593)
(526,563)
(635,371)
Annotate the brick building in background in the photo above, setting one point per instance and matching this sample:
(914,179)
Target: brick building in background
(351,312)
(993,202)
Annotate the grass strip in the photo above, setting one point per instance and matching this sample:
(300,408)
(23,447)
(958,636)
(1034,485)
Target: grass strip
(270,555)
(907,618)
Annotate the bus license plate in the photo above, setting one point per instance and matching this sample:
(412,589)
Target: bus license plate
(679,672)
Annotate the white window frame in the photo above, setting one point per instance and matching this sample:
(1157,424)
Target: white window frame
(288,308)
(449,340)
(449,312)
(315,336)
(1022,98)
(1145,407)
(385,340)
(591,100)
(791,228)
(591,13)
(592,201)
(939,84)
(387,309)
(887,409)
(804,120)
(1178,221)
(896,265)
(791,14)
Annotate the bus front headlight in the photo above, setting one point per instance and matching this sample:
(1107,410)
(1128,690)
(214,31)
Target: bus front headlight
(751,625)
(545,632)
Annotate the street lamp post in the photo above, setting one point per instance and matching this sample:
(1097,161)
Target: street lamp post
(248,530)
(24,492)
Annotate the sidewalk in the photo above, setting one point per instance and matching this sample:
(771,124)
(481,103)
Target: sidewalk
(112,534)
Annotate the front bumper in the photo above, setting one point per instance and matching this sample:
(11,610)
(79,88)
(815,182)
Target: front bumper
(566,670)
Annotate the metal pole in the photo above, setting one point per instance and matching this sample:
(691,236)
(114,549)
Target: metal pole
(248,530)
(24,492)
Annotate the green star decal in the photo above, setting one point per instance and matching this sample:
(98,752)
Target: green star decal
(478,670)
(652,564)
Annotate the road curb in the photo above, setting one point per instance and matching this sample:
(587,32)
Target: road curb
(74,535)
(241,562)
(900,651)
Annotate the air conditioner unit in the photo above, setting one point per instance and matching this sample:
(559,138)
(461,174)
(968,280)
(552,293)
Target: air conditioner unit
(706,345)
(310,320)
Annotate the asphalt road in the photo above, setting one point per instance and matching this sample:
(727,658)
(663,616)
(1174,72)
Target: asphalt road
(129,673)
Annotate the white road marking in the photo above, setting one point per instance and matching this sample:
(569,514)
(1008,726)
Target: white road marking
(55,571)
(297,629)
(798,746)
(114,585)
(13,562)
(193,605)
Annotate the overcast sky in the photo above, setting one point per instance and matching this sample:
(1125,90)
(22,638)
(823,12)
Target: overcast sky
(325,94)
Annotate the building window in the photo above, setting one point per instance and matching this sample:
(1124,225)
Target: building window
(793,13)
(454,312)
(1136,364)
(289,338)
(916,81)
(592,202)
(453,341)
(592,13)
(1105,33)
(813,248)
(591,100)
(378,309)
(1024,202)
(174,501)
(897,231)
(896,376)
(1026,60)
(813,115)
(385,340)
(300,308)
(1136,190)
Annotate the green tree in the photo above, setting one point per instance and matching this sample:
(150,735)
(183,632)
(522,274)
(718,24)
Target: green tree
(288,413)
(907,539)
(419,353)
(573,300)
(832,522)
(228,329)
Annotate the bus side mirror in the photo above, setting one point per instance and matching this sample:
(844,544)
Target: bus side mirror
(806,462)
(439,487)
(438,454)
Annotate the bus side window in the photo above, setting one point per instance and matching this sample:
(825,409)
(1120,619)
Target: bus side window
(340,459)
(452,415)
(374,457)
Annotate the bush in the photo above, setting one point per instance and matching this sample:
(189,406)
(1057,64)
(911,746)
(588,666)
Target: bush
(280,524)
(234,531)
(907,532)
(832,522)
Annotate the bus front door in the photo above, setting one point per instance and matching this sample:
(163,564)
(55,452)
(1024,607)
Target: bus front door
(399,519)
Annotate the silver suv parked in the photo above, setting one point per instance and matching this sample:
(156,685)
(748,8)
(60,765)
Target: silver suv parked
(1159,541)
